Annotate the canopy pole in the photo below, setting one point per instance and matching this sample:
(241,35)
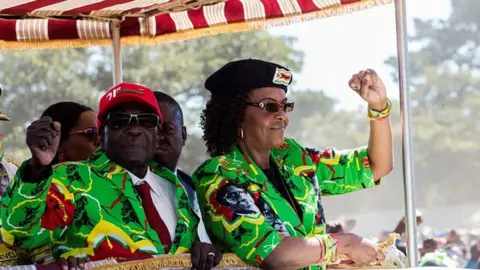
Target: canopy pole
(407,143)
(117,54)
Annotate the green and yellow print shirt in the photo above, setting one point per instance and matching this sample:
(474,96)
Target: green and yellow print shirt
(90,209)
(247,214)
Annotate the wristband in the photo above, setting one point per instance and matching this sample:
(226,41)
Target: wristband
(328,243)
(376,115)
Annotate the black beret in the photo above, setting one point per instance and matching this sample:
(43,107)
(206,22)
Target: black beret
(248,74)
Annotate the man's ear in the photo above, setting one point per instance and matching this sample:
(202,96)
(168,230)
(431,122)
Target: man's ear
(184,134)
(157,141)
(101,133)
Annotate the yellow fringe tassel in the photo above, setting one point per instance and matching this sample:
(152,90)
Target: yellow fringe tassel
(169,261)
(9,160)
(256,24)
(229,260)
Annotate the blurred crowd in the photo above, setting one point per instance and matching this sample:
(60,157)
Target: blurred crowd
(454,248)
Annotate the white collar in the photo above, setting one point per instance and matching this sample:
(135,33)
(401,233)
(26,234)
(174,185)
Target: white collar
(137,180)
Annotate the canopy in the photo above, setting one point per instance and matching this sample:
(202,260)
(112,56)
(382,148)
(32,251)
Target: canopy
(40,24)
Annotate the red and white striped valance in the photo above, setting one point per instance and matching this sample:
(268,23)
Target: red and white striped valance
(27,24)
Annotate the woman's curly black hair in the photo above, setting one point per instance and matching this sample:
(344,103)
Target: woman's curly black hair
(221,121)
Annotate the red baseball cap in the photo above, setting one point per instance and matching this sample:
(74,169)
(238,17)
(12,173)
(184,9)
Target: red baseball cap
(125,93)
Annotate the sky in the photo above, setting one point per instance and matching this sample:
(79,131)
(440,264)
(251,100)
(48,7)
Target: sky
(335,48)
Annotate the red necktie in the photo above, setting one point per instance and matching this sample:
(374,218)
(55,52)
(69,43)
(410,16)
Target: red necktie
(153,217)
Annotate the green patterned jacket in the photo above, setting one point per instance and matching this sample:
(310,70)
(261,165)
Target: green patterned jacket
(247,215)
(90,209)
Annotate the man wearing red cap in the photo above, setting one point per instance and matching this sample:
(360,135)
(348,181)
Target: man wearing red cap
(102,207)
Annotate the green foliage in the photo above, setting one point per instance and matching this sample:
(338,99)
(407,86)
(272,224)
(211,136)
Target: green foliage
(444,80)
(33,80)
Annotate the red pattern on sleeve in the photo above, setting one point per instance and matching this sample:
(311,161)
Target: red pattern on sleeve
(59,211)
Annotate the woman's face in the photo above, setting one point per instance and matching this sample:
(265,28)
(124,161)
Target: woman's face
(83,139)
(264,130)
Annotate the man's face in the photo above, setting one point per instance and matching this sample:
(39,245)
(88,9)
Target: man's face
(172,136)
(130,134)
(238,199)
(272,218)
(429,245)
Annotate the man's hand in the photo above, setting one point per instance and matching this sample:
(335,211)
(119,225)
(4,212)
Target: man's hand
(205,256)
(72,263)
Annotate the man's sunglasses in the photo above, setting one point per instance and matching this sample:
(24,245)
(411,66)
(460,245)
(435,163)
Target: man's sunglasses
(90,133)
(121,120)
(273,107)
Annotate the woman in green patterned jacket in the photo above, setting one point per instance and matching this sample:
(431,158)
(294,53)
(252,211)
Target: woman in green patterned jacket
(260,192)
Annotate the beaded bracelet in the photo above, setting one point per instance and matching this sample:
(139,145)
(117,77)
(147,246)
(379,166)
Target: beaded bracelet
(328,242)
(322,248)
(376,115)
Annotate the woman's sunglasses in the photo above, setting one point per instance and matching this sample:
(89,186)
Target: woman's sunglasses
(273,107)
(90,133)
(121,120)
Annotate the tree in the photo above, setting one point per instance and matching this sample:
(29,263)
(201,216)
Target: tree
(33,80)
(446,104)
(36,79)
(180,69)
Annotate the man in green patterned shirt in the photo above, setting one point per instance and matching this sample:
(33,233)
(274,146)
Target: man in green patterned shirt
(93,209)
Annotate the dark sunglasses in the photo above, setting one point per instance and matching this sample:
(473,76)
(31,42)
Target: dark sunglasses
(121,120)
(90,133)
(273,107)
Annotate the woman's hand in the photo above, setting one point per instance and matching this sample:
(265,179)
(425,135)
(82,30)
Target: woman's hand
(360,250)
(370,87)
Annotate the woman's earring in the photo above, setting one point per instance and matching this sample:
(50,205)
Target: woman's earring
(241,133)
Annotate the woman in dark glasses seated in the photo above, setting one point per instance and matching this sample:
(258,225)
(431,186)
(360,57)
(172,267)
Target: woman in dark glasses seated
(79,138)
(260,192)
